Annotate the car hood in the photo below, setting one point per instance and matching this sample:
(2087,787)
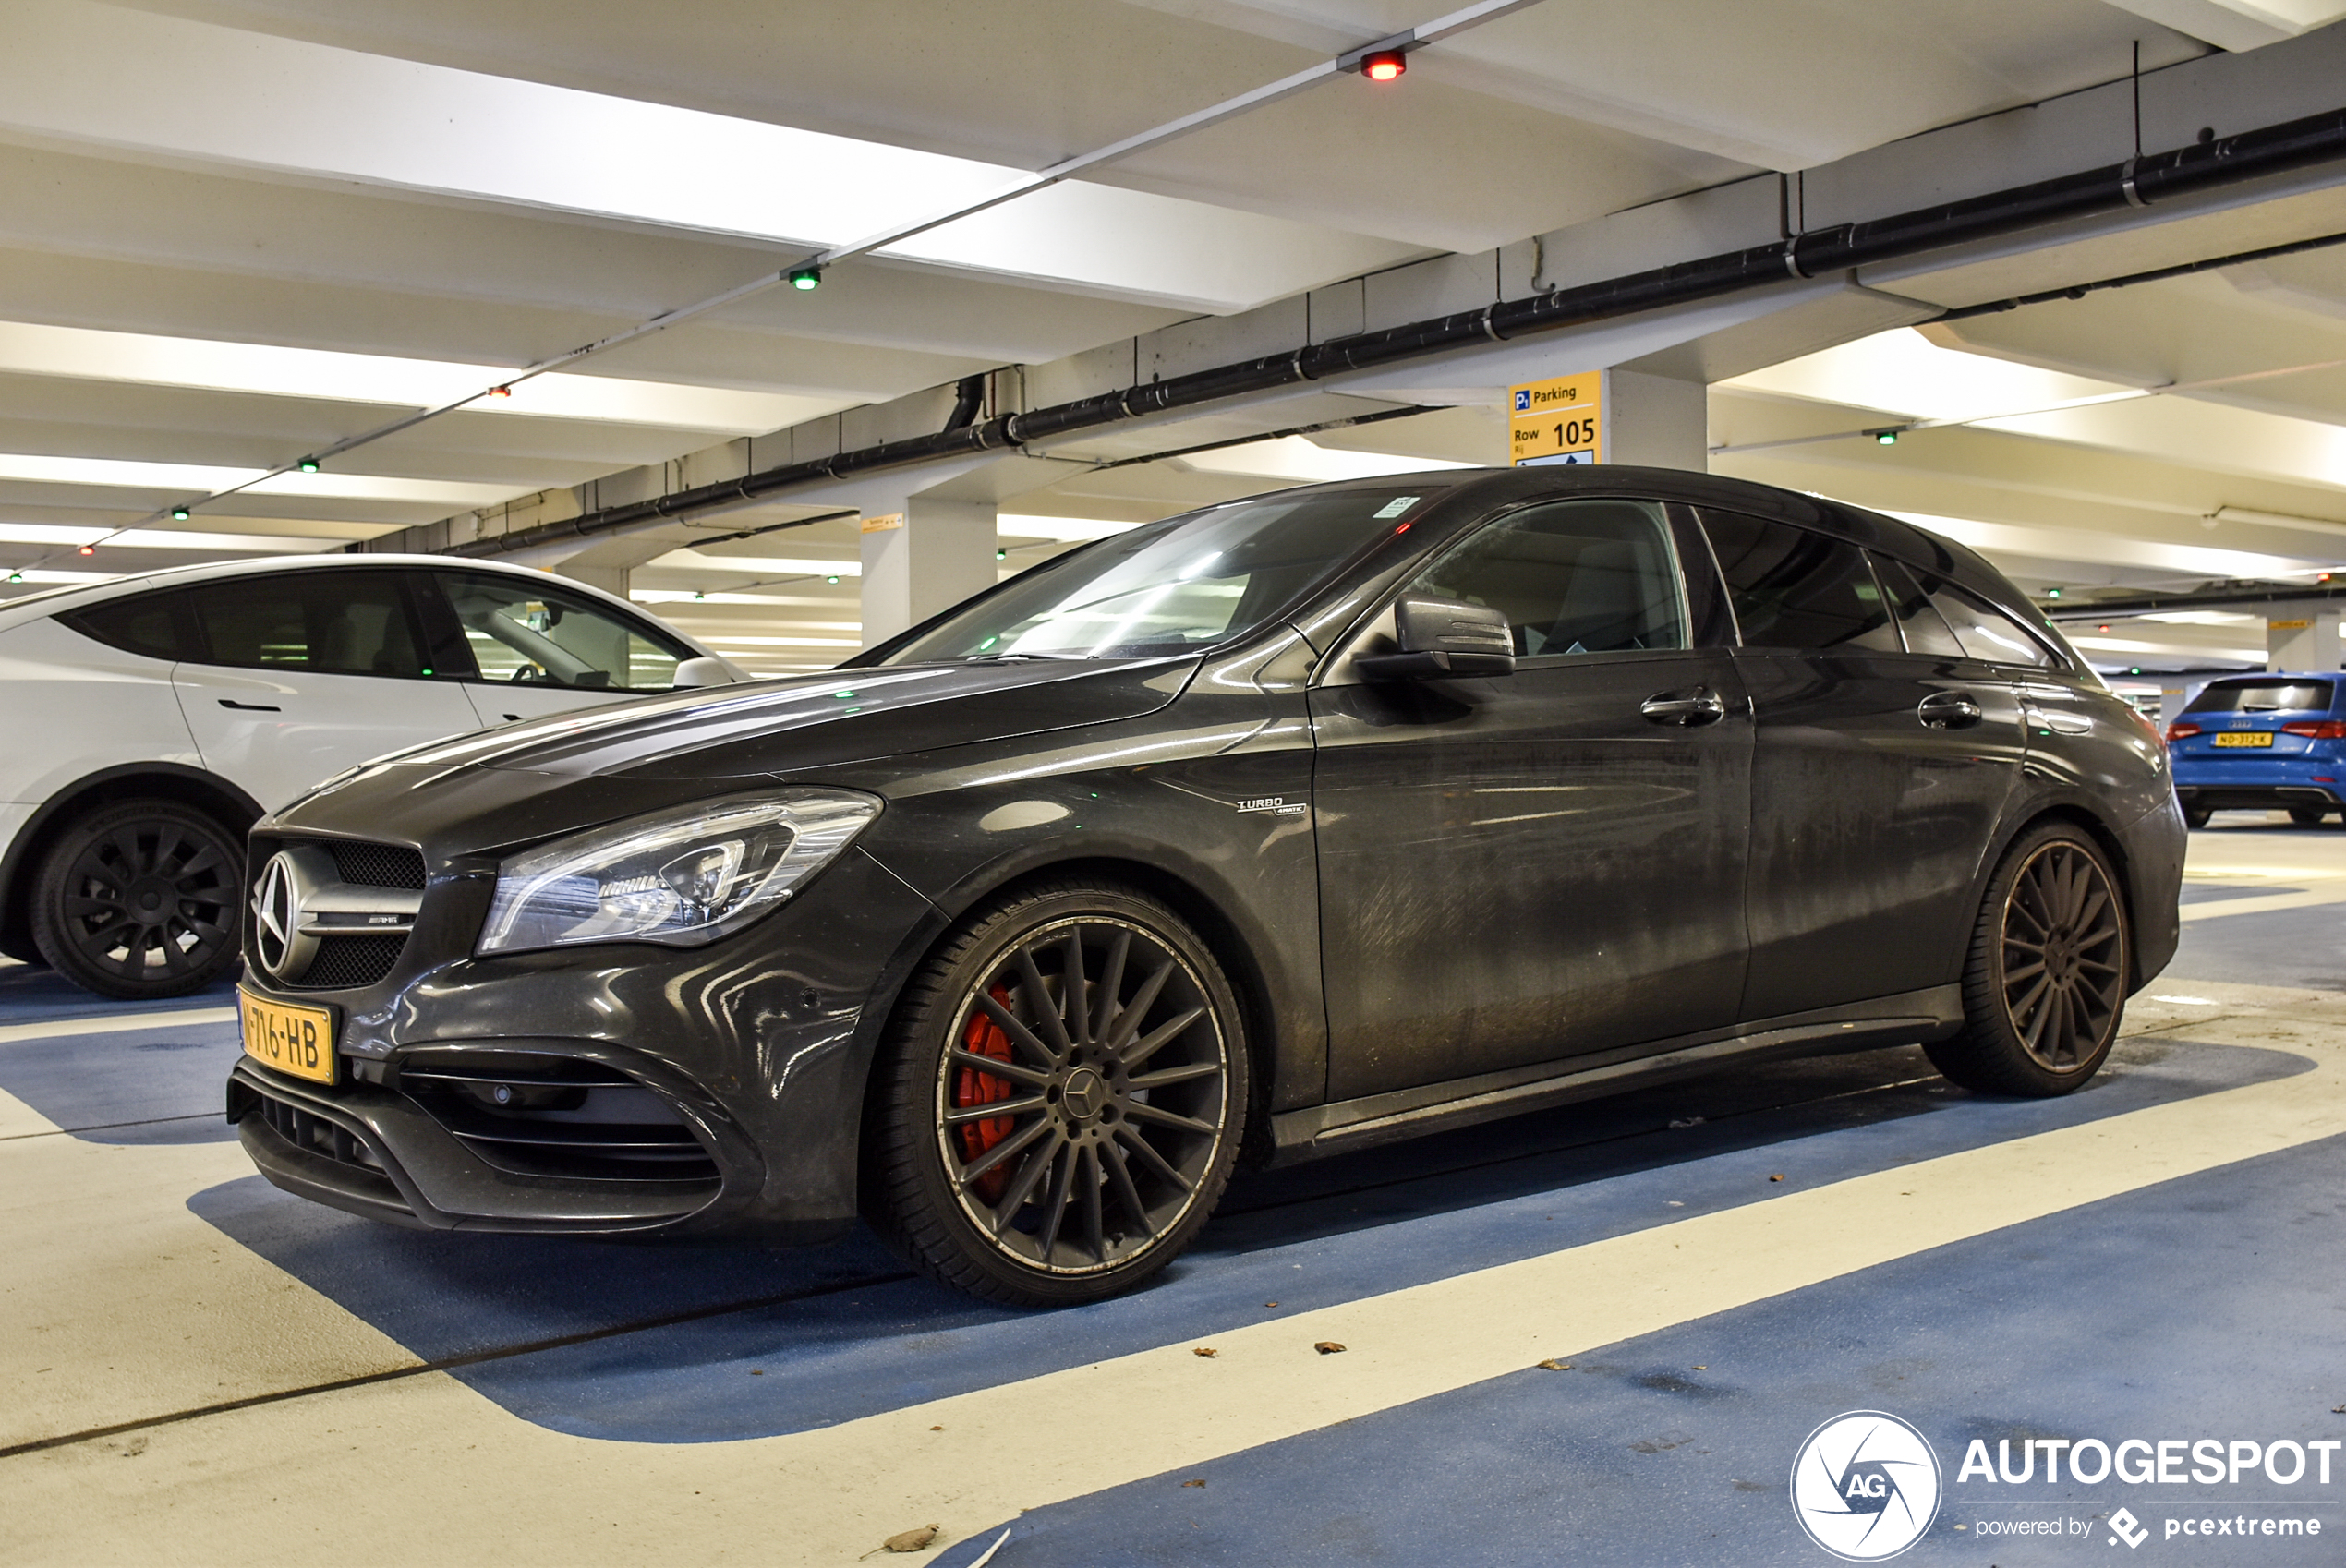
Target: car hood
(791,725)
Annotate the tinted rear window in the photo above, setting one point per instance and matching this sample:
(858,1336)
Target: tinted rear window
(152,625)
(2263,696)
(1792,588)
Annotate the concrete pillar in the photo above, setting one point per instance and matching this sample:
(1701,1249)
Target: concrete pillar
(2305,639)
(922,555)
(1656,421)
(611,579)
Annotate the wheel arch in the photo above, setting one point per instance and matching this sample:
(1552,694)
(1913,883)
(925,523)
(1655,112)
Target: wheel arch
(1215,925)
(2113,848)
(129,781)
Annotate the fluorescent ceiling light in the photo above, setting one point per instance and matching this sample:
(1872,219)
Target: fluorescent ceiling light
(55,578)
(781,642)
(2193,650)
(762,565)
(1071,530)
(191,91)
(2201,618)
(761,601)
(206,478)
(164,539)
(1297,458)
(271,370)
(2085,546)
(1901,371)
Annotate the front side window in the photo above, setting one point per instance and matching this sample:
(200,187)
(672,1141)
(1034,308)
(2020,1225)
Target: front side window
(1573,577)
(534,634)
(327,623)
(1177,587)
(1799,590)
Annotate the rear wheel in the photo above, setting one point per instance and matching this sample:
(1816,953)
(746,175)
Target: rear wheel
(140,899)
(2045,985)
(1062,1099)
(2308,817)
(2197,816)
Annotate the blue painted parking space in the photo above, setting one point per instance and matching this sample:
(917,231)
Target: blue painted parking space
(2122,1319)
(683,1346)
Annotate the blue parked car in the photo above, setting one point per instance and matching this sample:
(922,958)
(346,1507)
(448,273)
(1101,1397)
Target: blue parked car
(2259,742)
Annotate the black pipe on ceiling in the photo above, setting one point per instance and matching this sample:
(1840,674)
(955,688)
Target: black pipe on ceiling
(2137,182)
(2219,598)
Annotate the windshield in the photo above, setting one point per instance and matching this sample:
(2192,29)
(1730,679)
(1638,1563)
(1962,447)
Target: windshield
(1169,588)
(2263,696)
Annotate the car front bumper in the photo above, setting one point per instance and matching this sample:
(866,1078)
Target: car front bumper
(707,1091)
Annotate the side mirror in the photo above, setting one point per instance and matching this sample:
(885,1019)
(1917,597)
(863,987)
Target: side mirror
(1441,638)
(703,672)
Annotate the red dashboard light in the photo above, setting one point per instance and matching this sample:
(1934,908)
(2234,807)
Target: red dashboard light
(1385,65)
(2318,729)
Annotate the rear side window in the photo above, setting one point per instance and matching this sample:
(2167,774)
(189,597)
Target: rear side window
(151,625)
(1792,589)
(1986,631)
(2265,696)
(349,622)
(1920,623)
(1574,577)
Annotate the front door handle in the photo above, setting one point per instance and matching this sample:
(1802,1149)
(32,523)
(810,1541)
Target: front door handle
(249,707)
(1686,709)
(1949,710)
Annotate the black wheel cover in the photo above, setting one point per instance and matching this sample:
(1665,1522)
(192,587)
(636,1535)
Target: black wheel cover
(143,904)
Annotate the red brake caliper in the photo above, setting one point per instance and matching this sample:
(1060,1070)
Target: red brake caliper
(972,1086)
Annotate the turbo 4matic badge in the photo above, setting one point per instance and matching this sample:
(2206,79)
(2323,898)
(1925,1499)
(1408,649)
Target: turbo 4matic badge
(1864,1486)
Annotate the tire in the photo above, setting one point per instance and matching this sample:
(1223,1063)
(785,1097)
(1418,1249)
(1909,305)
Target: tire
(2053,905)
(2308,817)
(140,899)
(1119,1128)
(2197,816)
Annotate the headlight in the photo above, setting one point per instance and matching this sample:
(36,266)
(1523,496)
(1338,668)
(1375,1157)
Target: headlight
(682,877)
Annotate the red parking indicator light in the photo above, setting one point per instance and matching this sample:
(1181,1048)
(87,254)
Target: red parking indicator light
(1385,65)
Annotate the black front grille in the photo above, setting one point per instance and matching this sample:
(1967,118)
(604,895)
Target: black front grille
(557,1116)
(314,1134)
(346,962)
(378,865)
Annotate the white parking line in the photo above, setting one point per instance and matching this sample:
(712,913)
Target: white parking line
(116,1023)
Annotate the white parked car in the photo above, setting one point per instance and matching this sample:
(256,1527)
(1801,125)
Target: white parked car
(153,720)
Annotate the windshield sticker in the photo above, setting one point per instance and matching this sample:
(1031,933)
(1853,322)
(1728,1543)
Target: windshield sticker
(1396,506)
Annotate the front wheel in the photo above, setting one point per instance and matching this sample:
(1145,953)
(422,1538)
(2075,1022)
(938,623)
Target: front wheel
(140,900)
(1061,1098)
(2045,985)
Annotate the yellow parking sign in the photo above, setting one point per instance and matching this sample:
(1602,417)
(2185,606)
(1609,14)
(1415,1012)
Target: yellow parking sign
(1557,421)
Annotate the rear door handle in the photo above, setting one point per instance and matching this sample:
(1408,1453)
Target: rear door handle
(1700,706)
(1949,710)
(249,707)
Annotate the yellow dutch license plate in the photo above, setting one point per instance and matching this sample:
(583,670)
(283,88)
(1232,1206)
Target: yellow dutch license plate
(299,1041)
(2244,738)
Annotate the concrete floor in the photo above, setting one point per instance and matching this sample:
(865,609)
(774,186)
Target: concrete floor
(201,1369)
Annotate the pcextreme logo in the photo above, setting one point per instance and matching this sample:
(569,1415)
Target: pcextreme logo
(1864,1486)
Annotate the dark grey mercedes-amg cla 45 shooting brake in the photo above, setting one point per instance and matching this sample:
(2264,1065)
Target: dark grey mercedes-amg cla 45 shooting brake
(1277,829)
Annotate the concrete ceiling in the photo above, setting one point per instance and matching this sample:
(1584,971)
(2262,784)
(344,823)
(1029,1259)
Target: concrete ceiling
(233,232)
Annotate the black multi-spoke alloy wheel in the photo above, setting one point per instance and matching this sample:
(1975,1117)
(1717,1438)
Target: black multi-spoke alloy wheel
(1061,1098)
(2045,985)
(140,899)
